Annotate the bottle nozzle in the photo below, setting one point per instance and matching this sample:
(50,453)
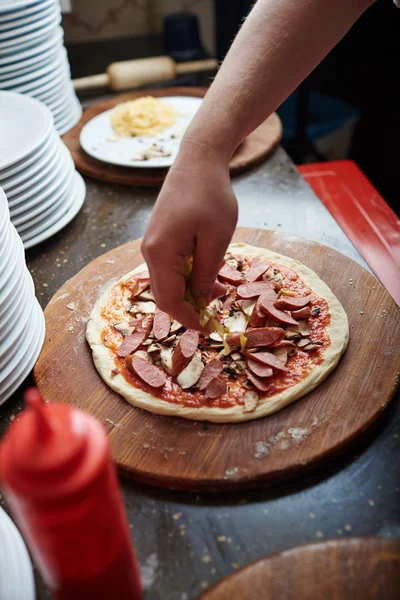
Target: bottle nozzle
(34,400)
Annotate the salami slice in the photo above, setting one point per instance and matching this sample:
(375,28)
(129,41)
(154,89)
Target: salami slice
(257,269)
(133,341)
(137,287)
(264,336)
(216,387)
(211,370)
(147,372)
(268,359)
(258,368)
(162,324)
(184,350)
(252,290)
(229,274)
(267,306)
(291,303)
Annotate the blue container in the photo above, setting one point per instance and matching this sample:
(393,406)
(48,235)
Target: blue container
(326,114)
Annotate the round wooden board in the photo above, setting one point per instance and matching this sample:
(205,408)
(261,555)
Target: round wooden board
(177,453)
(253,150)
(348,569)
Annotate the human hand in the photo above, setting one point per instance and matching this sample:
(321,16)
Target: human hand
(195,215)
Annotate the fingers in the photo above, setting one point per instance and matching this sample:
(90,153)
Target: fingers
(218,290)
(208,256)
(166,267)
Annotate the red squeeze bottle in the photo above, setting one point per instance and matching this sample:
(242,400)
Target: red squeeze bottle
(57,474)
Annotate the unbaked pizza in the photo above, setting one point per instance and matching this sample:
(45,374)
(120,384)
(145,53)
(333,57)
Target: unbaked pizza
(276,332)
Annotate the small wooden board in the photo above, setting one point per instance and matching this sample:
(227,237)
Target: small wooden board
(253,150)
(348,569)
(177,453)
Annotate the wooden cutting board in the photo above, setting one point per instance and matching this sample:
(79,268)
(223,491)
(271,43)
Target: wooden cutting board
(177,453)
(348,569)
(253,150)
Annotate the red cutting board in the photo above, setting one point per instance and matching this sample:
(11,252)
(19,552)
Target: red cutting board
(177,453)
(365,217)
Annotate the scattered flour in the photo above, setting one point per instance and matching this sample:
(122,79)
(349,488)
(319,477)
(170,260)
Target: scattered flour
(148,571)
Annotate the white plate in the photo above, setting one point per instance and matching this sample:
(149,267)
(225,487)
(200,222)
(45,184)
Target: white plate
(42,92)
(40,34)
(12,268)
(47,185)
(8,296)
(47,163)
(23,57)
(23,350)
(30,160)
(51,219)
(4,210)
(23,67)
(73,211)
(25,287)
(41,212)
(70,121)
(36,73)
(57,188)
(96,133)
(6,250)
(27,362)
(16,574)
(17,336)
(16,20)
(47,74)
(25,124)
(15,28)
(17,9)
(28,167)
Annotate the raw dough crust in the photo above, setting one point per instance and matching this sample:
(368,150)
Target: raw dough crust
(338,330)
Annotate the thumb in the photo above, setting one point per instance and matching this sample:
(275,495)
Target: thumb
(207,259)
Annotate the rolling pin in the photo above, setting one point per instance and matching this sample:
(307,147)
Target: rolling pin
(130,74)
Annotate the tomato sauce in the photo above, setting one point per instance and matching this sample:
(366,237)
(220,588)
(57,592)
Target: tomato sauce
(298,365)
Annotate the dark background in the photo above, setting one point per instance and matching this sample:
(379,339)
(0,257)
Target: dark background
(363,70)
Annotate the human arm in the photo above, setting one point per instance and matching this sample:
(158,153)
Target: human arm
(196,213)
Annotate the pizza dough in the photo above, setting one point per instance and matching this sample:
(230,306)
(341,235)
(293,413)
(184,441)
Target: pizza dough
(337,329)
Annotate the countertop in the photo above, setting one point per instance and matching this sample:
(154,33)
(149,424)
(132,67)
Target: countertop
(186,542)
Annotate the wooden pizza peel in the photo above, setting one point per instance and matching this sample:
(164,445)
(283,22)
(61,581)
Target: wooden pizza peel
(182,454)
(347,569)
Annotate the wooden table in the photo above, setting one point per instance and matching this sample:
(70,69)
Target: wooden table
(187,542)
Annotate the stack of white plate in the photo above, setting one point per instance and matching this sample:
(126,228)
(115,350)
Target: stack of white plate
(37,172)
(21,318)
(16,574)
(33,59)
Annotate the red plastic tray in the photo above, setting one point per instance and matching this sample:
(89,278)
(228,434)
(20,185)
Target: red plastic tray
(363,214)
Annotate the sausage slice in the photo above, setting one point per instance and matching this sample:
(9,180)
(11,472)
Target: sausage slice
(302,313)
(133,341)
(268,359)
(257,269)
(252,290)
(268,307)
(184,350)
(261,383)
(264,336)
(230,299)
(258,368)
(211,370)
(147,372)
(216,387)
(289,303)
(162,324)
(229,274)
